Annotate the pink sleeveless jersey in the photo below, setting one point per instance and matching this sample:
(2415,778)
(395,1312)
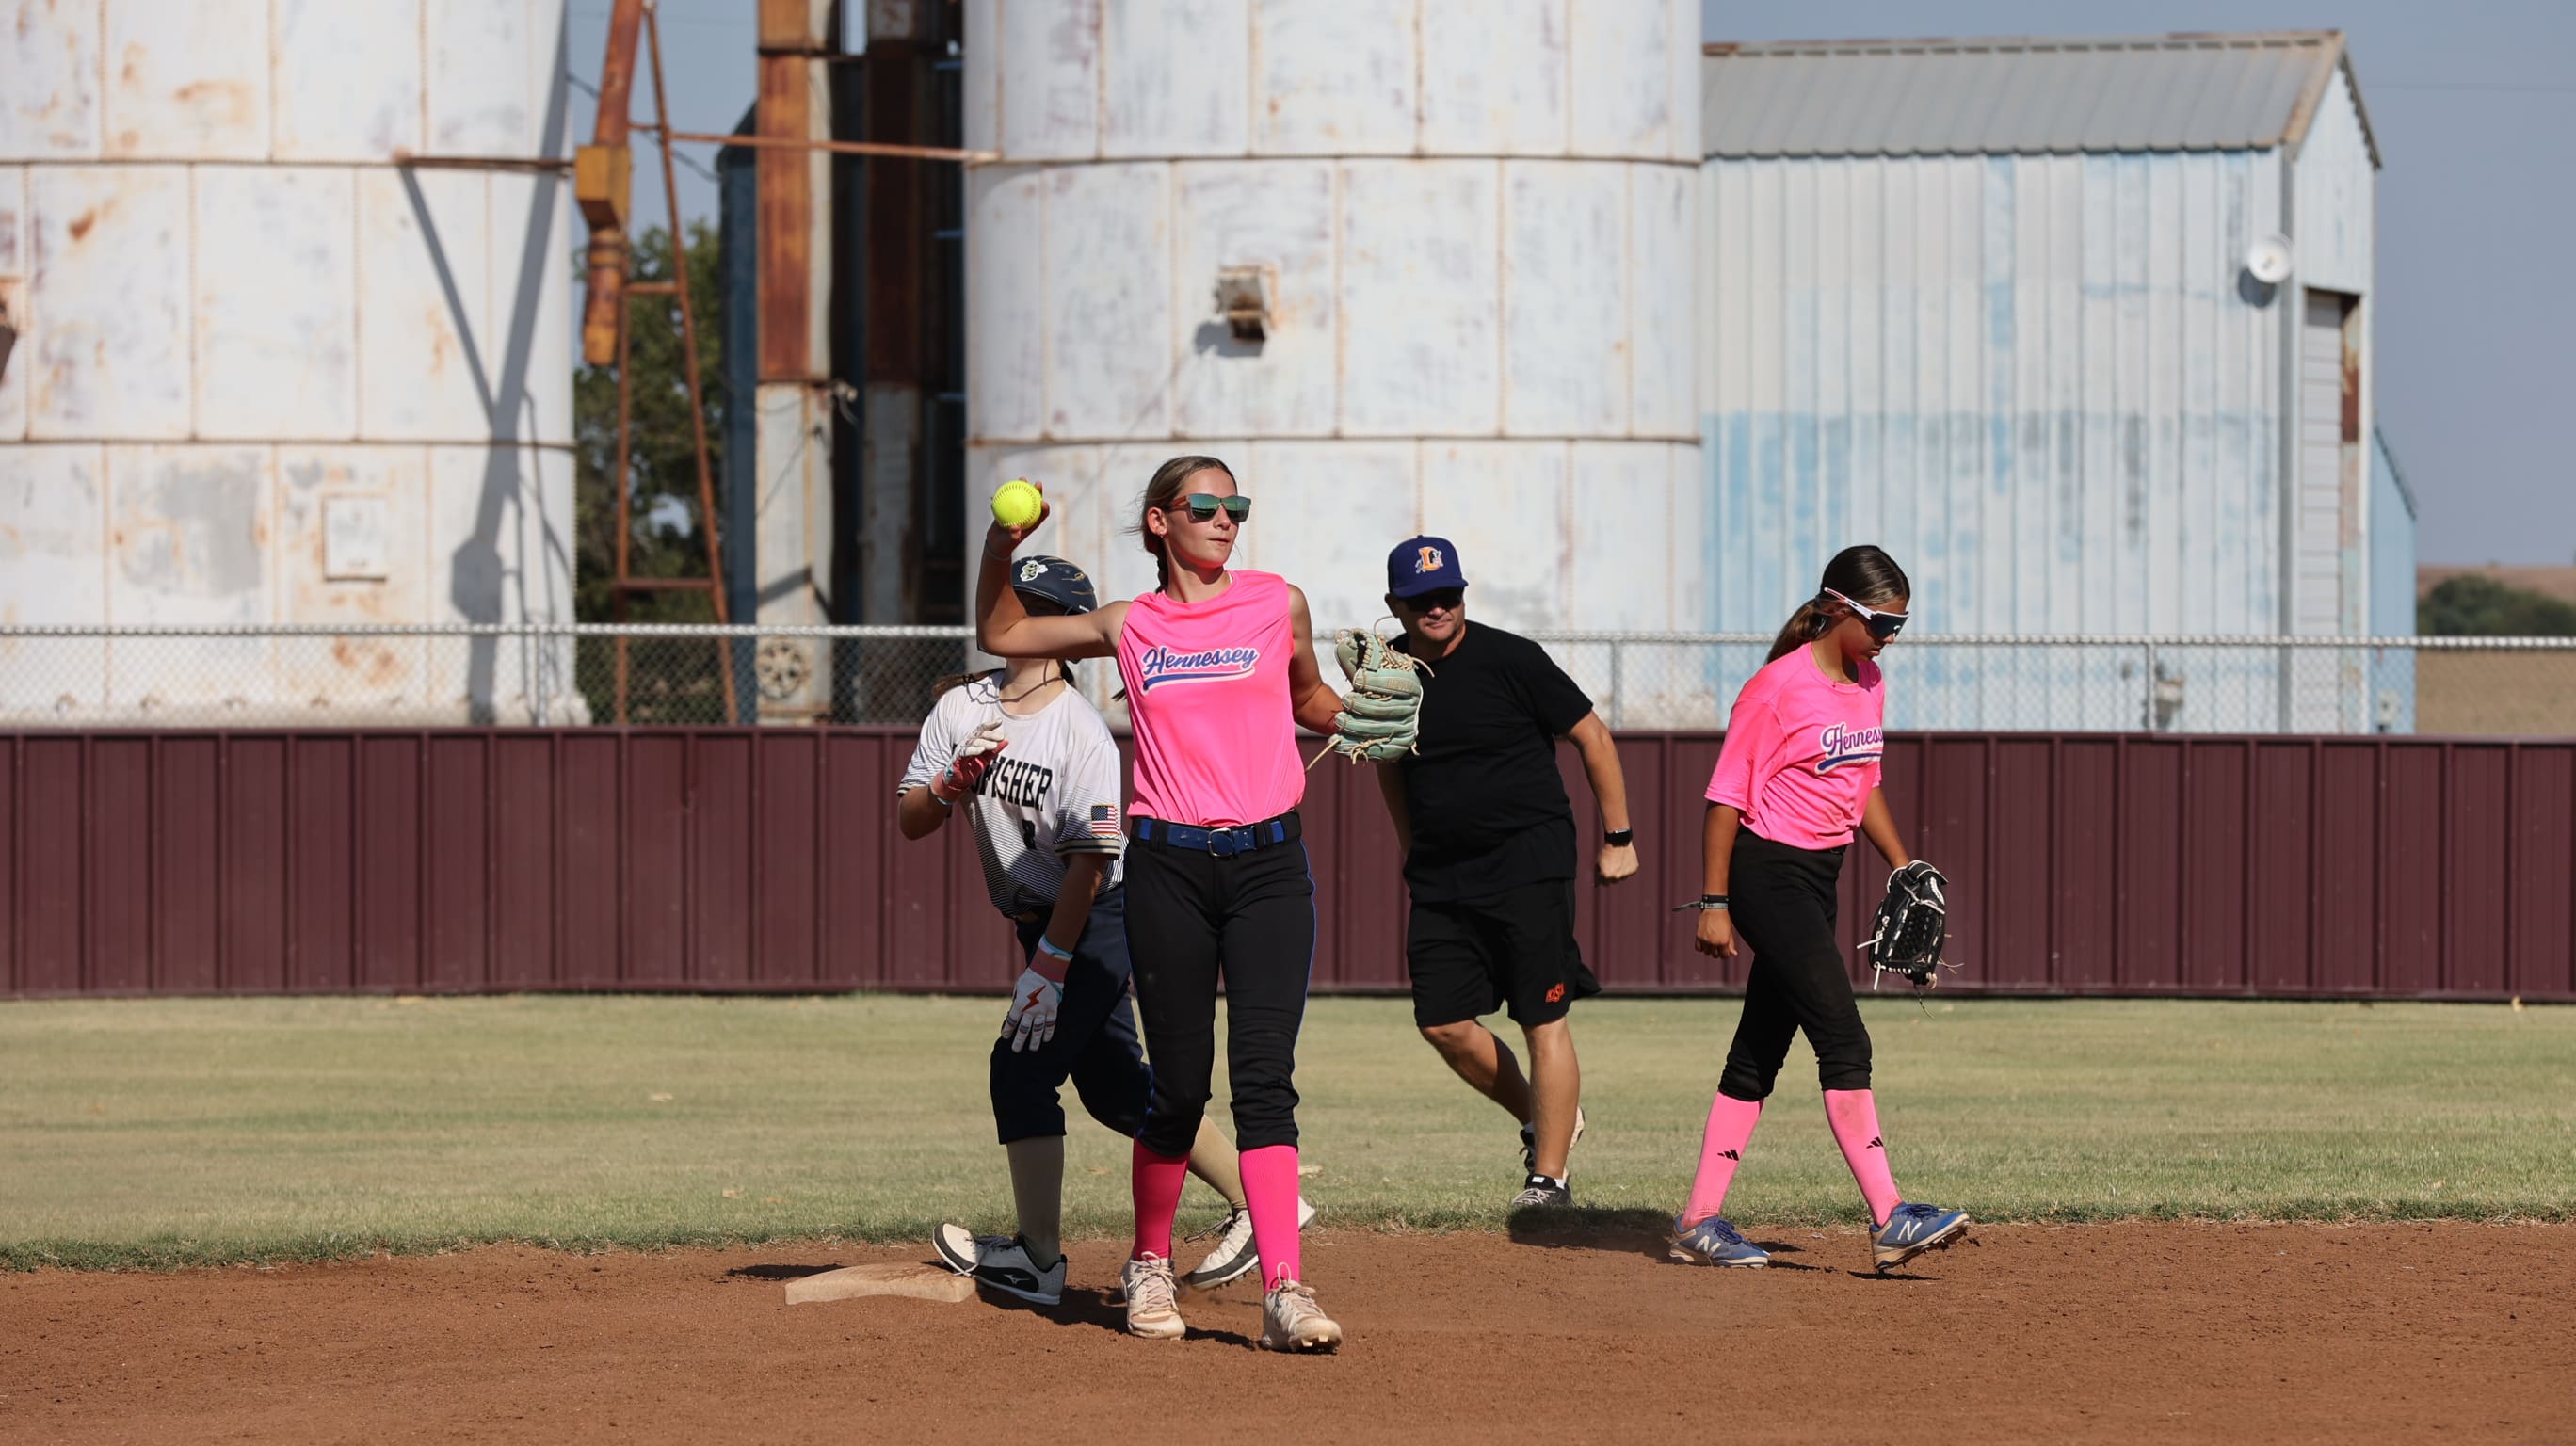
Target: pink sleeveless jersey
(1207,695)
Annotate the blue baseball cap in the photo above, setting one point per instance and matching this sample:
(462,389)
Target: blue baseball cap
(1056,580)
(1423,564)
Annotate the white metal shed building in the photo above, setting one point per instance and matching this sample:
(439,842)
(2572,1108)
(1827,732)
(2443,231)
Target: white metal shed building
(2000,306)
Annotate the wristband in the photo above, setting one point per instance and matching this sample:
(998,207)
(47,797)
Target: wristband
(1047,947)
(1619,838)
(1706,902)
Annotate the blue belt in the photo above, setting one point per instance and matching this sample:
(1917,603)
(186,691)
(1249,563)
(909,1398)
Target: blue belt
(1222,842)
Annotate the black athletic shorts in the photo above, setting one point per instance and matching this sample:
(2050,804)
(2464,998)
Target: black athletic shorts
(1516,950)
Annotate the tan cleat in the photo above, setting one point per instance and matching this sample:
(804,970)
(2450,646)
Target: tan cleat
(1153,1304)
(1291,1321)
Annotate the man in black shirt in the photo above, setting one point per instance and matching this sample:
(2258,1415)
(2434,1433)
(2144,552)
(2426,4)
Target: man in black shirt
(1489,854)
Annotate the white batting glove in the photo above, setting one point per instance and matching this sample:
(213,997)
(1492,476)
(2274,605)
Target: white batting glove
(973,760)
(1034,1003)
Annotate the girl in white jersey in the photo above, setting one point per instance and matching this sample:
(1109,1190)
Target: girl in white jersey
(1029,762)
(1220,669)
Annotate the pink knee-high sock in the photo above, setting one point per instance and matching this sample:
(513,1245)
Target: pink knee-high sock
(1270,1192)
(1855,1119)
(1721,1149)
(1156,1180)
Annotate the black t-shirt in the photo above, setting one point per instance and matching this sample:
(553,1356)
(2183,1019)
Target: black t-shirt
(1488,807)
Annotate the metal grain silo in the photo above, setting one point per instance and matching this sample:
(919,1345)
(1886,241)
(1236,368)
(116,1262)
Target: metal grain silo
(266,374)
(1988,303)
(1465,230)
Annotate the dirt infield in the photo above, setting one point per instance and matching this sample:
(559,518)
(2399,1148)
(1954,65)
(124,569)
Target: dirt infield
(2031,1333)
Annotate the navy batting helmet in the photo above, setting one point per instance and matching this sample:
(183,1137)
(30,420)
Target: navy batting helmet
(1056,580)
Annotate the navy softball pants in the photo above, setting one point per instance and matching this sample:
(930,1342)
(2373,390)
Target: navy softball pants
(1095,1043)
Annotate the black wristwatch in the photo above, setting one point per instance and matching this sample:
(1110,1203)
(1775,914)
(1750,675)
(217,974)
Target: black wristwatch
(1619,838)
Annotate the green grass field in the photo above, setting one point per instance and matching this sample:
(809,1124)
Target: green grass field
(204,1131)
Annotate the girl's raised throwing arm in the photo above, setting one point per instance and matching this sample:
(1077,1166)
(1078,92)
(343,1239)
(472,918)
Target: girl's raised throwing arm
(1005,629)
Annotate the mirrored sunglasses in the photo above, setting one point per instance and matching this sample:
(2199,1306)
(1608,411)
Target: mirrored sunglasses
(1881,625)
(1202,507)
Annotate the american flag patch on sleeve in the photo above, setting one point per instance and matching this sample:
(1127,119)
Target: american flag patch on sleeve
(1104,821)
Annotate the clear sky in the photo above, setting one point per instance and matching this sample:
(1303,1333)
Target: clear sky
(707,58)
(2475,113)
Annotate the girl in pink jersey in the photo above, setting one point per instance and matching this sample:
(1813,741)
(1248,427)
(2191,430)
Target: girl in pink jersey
(1219,669)
(1797,776)
(1032,768)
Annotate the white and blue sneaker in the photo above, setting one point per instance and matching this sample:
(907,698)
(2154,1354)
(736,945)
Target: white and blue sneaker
(1715,1242)
(1912,1229)
(1234,1255)
(1000,1262)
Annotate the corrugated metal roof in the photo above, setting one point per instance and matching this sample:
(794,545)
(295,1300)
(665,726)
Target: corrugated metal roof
(2018,95)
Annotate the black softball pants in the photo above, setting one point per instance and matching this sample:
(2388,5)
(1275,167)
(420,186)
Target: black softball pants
(1249,918)
(1783,901)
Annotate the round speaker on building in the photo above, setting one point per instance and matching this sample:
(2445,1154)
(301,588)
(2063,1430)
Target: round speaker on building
(2268,260)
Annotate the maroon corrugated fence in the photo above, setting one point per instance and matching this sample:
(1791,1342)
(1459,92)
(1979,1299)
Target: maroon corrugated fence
(735,859)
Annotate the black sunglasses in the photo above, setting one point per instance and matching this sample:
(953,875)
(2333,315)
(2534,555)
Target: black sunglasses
(1882,626)
(1202,507)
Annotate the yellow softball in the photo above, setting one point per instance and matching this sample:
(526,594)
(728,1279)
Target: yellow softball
(1016,502)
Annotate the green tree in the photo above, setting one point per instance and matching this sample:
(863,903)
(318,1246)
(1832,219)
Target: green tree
(2475,605)
(665,537)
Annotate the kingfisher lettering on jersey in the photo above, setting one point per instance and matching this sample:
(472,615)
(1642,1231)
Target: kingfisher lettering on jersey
(1844,747)
(1016,780)
(1161,665)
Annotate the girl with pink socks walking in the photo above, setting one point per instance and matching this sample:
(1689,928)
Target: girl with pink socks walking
(1797,777)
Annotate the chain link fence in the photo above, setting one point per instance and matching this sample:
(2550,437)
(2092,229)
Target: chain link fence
(598,675)
(533,675)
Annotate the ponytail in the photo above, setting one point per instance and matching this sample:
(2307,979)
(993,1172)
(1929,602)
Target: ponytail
(1807,624)
(1865,574)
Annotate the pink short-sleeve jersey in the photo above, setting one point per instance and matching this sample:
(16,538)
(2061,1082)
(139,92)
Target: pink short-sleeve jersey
(1207,696)
(1802,752)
